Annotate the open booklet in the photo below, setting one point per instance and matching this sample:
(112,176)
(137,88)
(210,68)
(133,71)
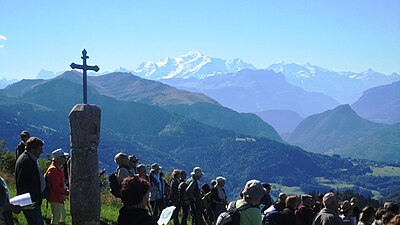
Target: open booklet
(166,215)
(23,200)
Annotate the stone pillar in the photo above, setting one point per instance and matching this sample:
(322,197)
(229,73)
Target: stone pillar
(84,122)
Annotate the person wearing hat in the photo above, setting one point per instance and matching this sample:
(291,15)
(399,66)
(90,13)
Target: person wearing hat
(304,214)
(29,179)
(56,183)
(192,196)
(252,193)
(21,146)
(266,200)
(157,187)
(328,215)
(218,197)
(132,163)
(123,169)
(346,210)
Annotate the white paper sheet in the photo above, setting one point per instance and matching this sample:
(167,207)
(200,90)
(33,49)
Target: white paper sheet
(22,200)
(166,215)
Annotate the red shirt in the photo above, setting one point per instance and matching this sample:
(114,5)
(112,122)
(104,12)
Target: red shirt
(55,180)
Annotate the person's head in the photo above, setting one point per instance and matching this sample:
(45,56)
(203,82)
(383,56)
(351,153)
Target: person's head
(330,201)
(183,175)
(220,181)
(25,136)
(132,161)
(121,159)
(155,168)
(387,217)
(282,197)
(267,187)
(354,200)
(34,145)
(205,188)
(393,207)
(141,170)
(346,208)
(367,215)
(395,220)
(135,191)
(379,213)
(197,173)
(290,202)
(253,192)
(213,183)
(59,157)
(306,200)
(176,174)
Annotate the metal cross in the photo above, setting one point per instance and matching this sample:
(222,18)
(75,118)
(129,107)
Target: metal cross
(85,68)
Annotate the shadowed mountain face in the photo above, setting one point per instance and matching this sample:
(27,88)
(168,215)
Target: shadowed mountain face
(127,87)
(342,131)
(155,134)
(380,104)
(257,90)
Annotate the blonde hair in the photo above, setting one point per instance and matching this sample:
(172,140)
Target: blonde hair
(291,201)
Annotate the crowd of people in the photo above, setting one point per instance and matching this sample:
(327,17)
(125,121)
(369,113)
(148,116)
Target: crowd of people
(145,194)
(208,204)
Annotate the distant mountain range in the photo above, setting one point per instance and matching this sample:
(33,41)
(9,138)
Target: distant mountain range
(341,131)
(257,90)
(4,82)
(380,104)
(191,65)
(127,87)
(346,87)
(156,134)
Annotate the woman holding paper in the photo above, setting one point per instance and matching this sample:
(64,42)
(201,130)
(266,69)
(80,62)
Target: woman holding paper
(135,196)
(6,209)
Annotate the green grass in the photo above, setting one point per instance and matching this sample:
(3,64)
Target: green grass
(110,207)
(333,183)
(286,189)
(386,171)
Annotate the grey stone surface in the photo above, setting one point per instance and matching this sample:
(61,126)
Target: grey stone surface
(84,168)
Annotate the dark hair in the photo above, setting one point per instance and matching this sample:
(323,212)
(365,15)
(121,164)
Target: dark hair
(393,207)
(387,217)
(33,143)
(379,213)
(213,183)
(367,213)
(205,188)
(133,190)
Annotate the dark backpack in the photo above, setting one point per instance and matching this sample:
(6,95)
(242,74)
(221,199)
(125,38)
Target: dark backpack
(232,216)
(115,185)
(273,218)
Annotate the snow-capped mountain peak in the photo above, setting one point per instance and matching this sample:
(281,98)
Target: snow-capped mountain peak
(191,65)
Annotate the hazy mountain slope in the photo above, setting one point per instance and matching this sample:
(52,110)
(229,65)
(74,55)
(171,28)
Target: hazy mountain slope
(257,90)
(380,104)
(284,121)
(346,87)
(157,135)
(222,117)
(342,131)
(127,87)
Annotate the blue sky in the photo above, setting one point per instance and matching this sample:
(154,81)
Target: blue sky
(341,35)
